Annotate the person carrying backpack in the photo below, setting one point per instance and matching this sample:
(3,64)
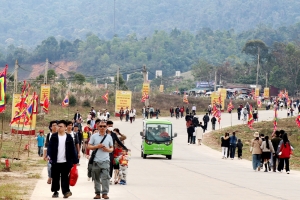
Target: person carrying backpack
(205,120)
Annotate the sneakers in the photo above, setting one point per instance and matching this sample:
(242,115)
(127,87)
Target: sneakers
(110,182)
(55,195)
(122,182)
(67,194)
(89,178)
(288,172)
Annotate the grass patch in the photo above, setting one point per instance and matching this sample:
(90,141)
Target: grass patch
(213,139)
(36,175)
(19,166)
(11,191)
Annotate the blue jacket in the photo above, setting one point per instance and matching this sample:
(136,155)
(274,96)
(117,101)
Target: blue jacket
(41,140)
(52,150)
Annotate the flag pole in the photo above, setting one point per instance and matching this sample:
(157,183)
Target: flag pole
(231,118)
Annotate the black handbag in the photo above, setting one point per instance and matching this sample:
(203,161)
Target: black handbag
(95,151)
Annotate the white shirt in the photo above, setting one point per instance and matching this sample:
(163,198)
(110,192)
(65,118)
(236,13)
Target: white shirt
(194,108)
(61,154)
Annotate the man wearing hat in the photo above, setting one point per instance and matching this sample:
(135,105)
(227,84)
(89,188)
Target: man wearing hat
(40,141)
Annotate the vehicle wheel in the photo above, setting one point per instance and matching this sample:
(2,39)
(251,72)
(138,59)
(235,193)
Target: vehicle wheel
(144,156)
(169,157)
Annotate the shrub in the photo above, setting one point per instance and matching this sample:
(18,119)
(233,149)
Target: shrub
(72,101)
(86,103)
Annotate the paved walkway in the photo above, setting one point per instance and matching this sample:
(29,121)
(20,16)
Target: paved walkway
(195,172)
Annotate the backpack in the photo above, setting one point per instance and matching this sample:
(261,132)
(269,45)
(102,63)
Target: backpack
(195,121)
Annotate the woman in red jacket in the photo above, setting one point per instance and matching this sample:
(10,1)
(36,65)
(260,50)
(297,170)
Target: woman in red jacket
(284,153)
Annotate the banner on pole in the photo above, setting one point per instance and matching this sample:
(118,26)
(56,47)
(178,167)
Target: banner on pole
(20,117)
(266,92)
(256,92)
(146,88)
(123,100)
(161,88)
(45,91)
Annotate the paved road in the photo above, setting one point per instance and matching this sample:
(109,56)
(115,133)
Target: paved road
(195,172)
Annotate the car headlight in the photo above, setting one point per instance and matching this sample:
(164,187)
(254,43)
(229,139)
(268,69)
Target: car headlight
(149,142)
(168,143)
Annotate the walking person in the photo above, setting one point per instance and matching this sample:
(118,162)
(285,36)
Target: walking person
(199,134)
(284,152)
(181,111)
(239,111)
(232,145)
(177,110)
(256,151)
(240,149)
(213,122)
(172,111)
(275,142)
(131,115)
(62,155)
(194,109)
(209,109)
(103,144)
(127,114)
(187,111)
(115,139)
(267,149)
(225,145)
(121,112)
(205,120)
(245,113)
(157,112)
(53,129)
(190,132)
(40,142)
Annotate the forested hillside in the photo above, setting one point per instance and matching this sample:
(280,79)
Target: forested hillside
(29,22)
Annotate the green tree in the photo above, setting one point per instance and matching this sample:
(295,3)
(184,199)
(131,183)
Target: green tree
(135,81)
(79,79)
(122,84)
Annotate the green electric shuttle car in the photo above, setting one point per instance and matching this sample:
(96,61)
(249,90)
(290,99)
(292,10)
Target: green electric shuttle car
(157,138)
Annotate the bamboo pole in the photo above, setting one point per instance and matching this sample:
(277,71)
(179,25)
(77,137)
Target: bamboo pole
(1,139)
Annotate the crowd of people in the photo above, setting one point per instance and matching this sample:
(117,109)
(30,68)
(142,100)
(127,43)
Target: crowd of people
(98,141)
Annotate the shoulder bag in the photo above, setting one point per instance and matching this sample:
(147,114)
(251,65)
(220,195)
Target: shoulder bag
(95,151)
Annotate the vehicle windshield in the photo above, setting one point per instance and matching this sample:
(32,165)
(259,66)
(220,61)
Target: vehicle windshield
(158,132)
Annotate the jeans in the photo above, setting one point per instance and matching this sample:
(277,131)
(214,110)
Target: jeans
(239,116)
(224,152)
(123,173)
(213,126)
(60,173)
(281,164)
(101,170)
(177,115)
(205,124)
(127,118)
(256,161)
(190,138)
(232,150)
(40,151)
(274,160)
(194,139)
(240,151)
(49,169)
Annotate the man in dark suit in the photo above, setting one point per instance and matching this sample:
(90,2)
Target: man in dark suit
(76,116)
(62,155)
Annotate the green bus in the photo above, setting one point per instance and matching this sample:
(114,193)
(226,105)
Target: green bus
(157,138)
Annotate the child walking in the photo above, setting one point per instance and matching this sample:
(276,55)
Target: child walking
(40,142)
(116,165)
(123,161)
(240,148)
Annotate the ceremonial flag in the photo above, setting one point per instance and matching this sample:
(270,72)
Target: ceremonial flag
(18,116)
(250,118)
(185,99)
(298,120)
(275,120)
(23,102)
(3,89)
(216,113)
(230,107)
(259,102)
(46,104)
(144,97)
(105,97)
(65,102)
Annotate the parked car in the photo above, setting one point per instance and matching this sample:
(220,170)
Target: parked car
(243,96)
